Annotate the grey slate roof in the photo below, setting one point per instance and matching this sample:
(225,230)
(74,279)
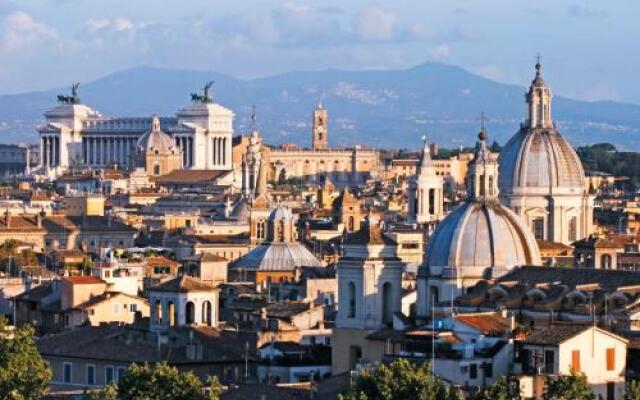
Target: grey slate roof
(277,257)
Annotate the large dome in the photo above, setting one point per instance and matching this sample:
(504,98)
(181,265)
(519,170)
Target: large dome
(481,239)
(540,161)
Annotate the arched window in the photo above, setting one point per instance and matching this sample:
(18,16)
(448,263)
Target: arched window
(432,201)
(260,230)
(490,185)
(171,313)
(352,300)
(158,312)
(206,312)
(387,303)
(573,229)
(156,169)
(190,313)
(435,295)
(352,223)
(606,261)
(481,184)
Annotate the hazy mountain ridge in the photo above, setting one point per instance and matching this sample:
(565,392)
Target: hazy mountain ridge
(391,108)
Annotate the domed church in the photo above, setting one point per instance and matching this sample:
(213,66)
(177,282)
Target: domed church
(156,151)
(481,239)
(541,177)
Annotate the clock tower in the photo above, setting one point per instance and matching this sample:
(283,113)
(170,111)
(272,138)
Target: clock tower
(319,139)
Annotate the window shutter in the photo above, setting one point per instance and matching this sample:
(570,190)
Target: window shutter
(575,361)
(611,359)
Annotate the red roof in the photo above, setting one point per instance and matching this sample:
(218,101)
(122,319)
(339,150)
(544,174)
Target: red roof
(487,324)
(84,280)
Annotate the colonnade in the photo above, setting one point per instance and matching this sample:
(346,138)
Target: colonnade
(105,150)
(50,150)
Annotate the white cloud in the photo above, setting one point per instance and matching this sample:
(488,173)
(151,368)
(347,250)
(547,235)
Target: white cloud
(123,24)
(20,30)
(375,24)
(441,52)
(96,24)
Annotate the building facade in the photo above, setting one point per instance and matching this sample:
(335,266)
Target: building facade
(76,135)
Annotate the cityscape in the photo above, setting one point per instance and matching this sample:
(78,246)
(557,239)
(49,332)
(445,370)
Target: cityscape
(182,234)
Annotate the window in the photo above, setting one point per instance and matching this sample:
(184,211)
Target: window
(121,372)
(432,200)
(490,185)
(387,303)
(573,229)
(538,228)
(156,169)
(352,300)
(606,261)
(133,308)
(66,372)
(549,358)
(611,359)
(91,375)
(575,361)
(109,374)
(488,370)
(190,313)
(473,371)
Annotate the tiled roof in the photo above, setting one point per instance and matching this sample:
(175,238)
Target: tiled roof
(191,176)
(127,345)
(555,334)
(572,277)
(183,284)
(486,323)
(84,280)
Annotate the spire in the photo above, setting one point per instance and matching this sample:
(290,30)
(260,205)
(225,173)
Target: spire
(425,160)
(254,125)
(539,101)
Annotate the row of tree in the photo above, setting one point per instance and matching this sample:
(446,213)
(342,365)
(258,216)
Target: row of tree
(403,380)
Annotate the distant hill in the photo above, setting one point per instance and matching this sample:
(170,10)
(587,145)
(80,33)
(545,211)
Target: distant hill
(390,108)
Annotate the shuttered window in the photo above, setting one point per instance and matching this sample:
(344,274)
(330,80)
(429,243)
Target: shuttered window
(575,361)
(611,359)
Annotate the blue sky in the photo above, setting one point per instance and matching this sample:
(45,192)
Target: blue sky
(589,48)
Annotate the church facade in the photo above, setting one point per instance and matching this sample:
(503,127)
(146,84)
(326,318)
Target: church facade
(75,135)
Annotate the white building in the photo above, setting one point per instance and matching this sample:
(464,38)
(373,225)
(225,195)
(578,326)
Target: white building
(76,135)
(183,301)
(481,239)
(541,177)
(562,349)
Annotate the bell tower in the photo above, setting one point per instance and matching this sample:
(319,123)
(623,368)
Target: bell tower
(319,139)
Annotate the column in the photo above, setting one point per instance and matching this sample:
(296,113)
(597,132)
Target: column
(43,155)
(190,152)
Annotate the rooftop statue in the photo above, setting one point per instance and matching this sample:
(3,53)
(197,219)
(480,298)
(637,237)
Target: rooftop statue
(205,98)
(74,98)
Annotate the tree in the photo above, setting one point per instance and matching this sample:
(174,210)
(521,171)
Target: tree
(633,391)
(23,372)
(569,387)
(502,389)
(158,382)
(401,380)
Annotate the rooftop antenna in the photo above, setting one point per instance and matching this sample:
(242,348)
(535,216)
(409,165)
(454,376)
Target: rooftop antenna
(483,120)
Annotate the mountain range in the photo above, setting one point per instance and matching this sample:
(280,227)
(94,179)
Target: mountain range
(374,108)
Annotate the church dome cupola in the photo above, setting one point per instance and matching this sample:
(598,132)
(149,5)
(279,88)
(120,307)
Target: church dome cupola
(541,176)
(482,181)
(539,102)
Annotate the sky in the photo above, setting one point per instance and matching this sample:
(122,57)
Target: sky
(589,48)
